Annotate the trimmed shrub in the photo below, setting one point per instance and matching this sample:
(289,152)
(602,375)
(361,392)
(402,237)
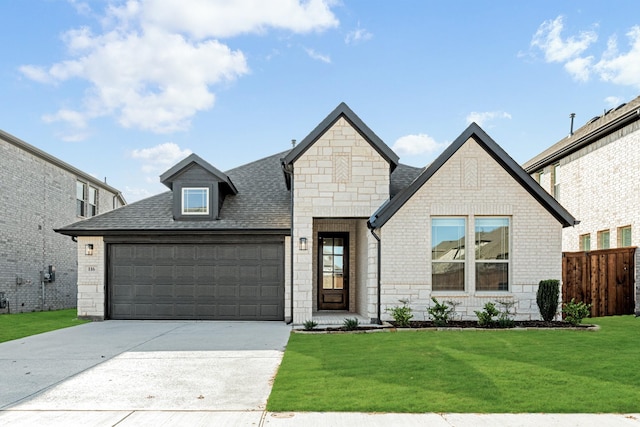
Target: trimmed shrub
(576,311)
(547,298)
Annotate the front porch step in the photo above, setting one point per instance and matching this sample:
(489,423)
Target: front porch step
(337,318)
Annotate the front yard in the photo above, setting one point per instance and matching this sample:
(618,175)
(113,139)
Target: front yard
(20,325)
(489,371)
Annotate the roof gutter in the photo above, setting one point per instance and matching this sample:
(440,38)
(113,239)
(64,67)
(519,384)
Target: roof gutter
(579,143)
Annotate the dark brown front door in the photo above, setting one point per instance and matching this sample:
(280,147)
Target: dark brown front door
(333,271)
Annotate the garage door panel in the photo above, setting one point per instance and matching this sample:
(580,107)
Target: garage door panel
(163,290)
(239,281)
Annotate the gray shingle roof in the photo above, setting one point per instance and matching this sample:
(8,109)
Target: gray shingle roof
(262,203)
(595,129)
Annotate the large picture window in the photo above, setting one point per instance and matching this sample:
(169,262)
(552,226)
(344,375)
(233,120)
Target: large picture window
(195,201)
(492,254)
(447,254)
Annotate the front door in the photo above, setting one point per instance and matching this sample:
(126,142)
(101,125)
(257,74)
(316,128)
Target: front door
(333,271)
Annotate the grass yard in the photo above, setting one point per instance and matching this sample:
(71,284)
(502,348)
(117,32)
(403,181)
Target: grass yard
(14,326)
(487,371)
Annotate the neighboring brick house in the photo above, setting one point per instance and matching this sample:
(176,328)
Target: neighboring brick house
(39,193)
(594,173)
(335,227)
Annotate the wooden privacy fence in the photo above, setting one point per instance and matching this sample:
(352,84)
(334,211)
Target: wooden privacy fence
(603,278)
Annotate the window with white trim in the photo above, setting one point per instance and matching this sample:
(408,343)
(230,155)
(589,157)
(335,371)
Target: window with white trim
(555,180)
(585,242)
(603,239)
(492,254)
(448,254)
(195,201)
(624,236)
(81,191)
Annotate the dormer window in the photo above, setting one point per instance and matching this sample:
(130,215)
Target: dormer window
(198,189)
(195,201)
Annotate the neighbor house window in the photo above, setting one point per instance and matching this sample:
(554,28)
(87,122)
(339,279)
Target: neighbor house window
(92,202)
(555,178)
(81,197)
(195,201)
(492,254)
(603,239)
(624,236)
(585,242)
(447,254)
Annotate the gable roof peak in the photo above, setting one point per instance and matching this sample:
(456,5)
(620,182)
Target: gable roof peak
(168,177)
(343,111)
(474,131)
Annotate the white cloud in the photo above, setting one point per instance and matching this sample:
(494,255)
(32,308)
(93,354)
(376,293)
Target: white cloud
(160,158)
(613,101)
(318,56)
(358,35)
(556,49)
(617,67)
(417,144)
(579,68)
(621,68)
(156,62)
(482,118)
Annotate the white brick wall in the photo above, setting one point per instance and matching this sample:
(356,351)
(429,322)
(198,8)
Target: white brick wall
(470,184)
(340,176)
(91,274)
(599,187)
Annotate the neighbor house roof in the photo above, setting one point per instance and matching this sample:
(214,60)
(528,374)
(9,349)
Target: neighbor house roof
(386,211)
(59,163)
(344,111)
(595,129)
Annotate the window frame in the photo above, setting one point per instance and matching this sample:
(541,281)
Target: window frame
(206,199)
(601,239)
(477,261)
(621,236)
(81,199)
(555,185)
(462,260)
(585,242)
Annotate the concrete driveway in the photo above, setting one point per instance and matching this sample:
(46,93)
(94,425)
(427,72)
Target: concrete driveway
(132,372)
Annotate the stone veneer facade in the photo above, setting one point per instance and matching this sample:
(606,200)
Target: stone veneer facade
(342,177)
(468,185)
(598,185)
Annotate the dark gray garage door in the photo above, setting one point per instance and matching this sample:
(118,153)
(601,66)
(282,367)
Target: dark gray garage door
(235,281)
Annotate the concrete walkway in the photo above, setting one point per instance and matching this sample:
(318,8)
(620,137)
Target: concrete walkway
(129,373)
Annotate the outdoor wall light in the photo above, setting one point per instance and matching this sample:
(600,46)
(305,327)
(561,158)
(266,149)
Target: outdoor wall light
(88,249)
(302,244)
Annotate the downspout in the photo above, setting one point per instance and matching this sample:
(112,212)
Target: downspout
(373,233)
(288,170)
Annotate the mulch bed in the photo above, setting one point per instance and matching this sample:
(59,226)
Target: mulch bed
(474,324)
(456,324)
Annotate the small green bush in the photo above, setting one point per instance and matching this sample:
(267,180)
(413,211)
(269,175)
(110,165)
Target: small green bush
(507,313)
(441,313)
(486,316)
(576,311)
(309,325)
(402,314)
(547,298)
(351,324)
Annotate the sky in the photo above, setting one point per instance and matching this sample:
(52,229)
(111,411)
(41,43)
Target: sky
(123,90)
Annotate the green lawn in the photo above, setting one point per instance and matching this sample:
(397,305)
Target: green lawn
(464,371)
(14,326)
